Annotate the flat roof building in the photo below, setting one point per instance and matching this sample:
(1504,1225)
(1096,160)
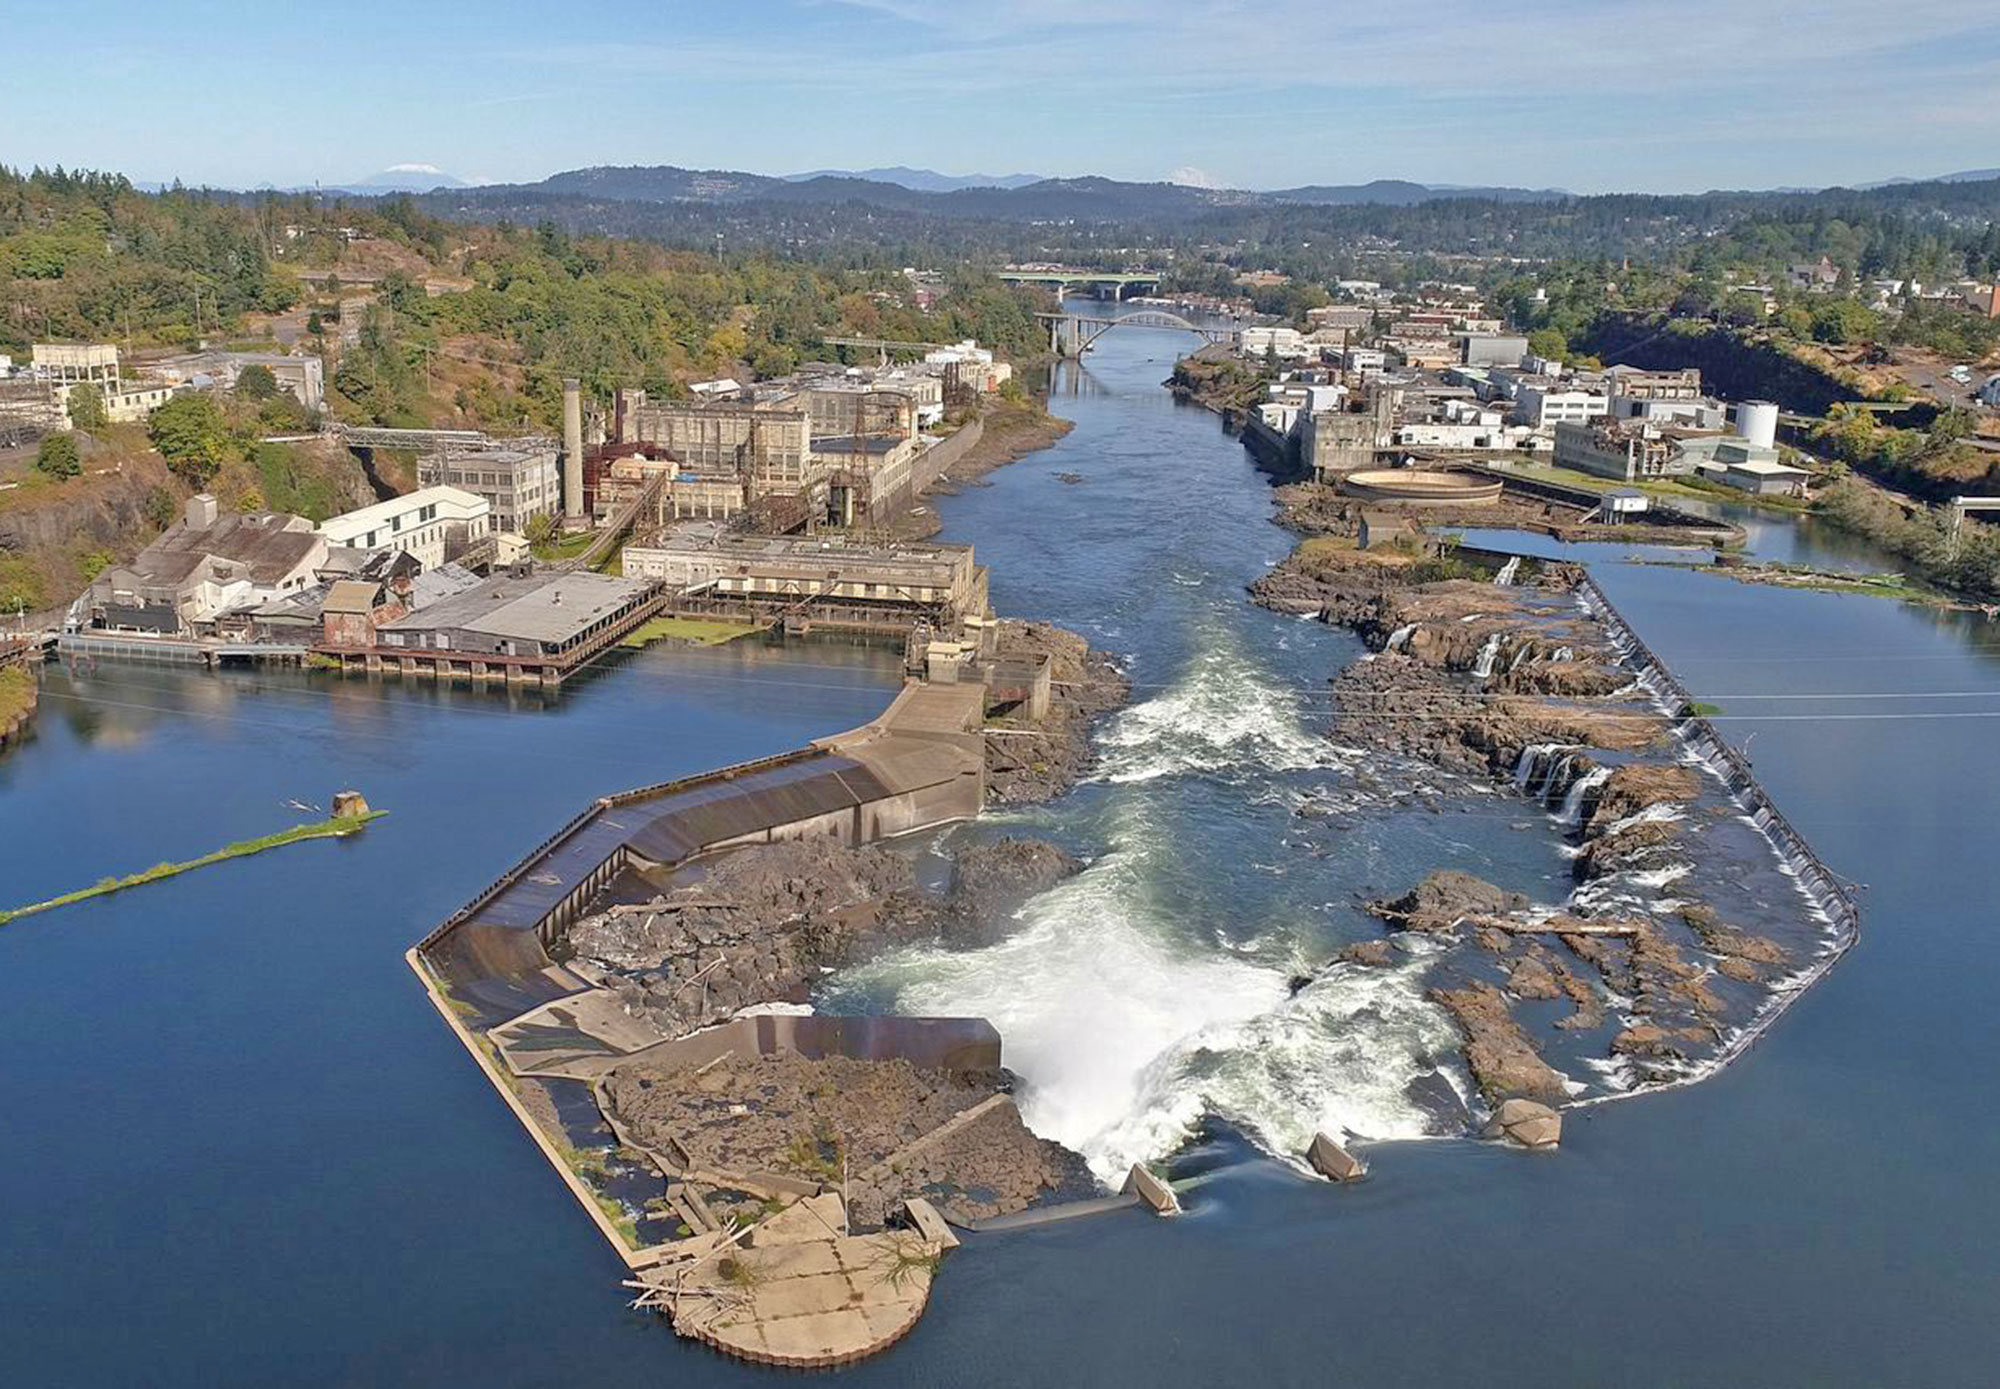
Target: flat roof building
(557,617)
(519,478)
(432,525)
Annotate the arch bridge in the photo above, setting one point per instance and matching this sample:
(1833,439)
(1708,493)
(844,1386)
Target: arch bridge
(1072,335)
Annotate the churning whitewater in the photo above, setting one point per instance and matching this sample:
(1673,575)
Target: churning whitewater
(1157,986)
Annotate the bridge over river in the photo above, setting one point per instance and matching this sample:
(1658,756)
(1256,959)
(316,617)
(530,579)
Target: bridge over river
(1072,335)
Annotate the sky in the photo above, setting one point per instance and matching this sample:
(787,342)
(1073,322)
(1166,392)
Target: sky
(1589,95)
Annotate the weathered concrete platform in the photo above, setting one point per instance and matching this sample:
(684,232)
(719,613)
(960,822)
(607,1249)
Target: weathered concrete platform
(804,1293)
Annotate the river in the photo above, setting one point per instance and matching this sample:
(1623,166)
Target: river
(243,1150)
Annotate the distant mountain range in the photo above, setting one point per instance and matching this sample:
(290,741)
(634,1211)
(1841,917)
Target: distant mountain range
(1963,176)
(407,178)
(921,180)
(1016,197)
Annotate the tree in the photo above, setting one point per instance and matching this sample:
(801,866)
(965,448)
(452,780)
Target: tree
(160,508)
(1549,343)
(1843,321)
(190,434)
(256,382)
(57,457)
(86,406)
(541,530)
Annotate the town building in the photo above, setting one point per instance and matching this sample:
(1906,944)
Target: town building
(1492,349)
(432,525)
(519,478)
(301,377)
(205,565)
(835,579)
(538,627)
(1624,452)
(1286,344)
(1743,467)
(62,367)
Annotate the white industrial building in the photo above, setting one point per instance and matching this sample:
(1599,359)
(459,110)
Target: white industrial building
(430,526)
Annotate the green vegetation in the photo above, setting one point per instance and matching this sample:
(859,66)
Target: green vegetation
(1923,536)
(690,630)
(86,406)
(1933,463)
(56,456)
(191,434)
(17,693)
(324,829)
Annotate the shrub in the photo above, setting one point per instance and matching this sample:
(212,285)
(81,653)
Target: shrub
(57,456)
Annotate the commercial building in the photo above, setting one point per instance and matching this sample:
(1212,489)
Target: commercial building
(205,565)
(1635,383)
(1544,403)
(433,525)
(520,478)
(765,440)
(1286,344)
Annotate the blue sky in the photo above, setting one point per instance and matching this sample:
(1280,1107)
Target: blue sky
(1585,94)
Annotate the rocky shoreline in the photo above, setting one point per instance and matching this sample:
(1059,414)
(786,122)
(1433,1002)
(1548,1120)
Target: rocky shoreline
(1635,979)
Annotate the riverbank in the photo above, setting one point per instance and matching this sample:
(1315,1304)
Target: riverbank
(19,695)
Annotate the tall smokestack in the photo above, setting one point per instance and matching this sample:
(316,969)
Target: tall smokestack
(572,486)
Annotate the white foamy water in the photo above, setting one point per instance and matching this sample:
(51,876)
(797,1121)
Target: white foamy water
(1130,1011)
(1224,711)
(1093,994)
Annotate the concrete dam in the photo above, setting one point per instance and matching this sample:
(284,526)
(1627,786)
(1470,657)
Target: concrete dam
(919,765)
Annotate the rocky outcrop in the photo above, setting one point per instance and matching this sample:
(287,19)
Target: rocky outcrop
(1504,1063)
(882,1131)
(991,882)
(1443,900)
(1638,787)
(1028,762)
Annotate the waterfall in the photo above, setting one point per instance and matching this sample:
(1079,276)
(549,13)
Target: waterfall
(1563,653)
(1507,571)
(1399,636)
(1483,667)
(1530,763)
(1572,806)
(1521,654)
(1556,780)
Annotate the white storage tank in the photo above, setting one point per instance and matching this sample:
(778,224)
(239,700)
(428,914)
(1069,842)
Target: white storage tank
(1757,423)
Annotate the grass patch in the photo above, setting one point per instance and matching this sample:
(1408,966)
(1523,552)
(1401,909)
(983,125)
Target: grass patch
(17,692)
(568,547)
(324,829)
(693,630)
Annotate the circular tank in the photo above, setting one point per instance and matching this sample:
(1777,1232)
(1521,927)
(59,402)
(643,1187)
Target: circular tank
(1421,487)
(1757,423)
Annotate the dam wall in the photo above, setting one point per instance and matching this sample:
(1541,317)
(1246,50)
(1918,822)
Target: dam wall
(1819,882)
(920,764)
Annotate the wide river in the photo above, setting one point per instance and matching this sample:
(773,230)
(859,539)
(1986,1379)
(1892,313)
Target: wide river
(240,1147)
